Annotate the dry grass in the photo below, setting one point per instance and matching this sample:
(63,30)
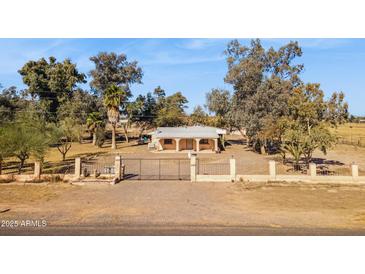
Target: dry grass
(23,194)
(352,133)
(164,202)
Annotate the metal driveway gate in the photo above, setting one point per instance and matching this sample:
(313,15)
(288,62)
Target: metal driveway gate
(156,169)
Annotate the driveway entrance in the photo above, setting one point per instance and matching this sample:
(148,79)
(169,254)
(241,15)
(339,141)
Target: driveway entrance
(156,169)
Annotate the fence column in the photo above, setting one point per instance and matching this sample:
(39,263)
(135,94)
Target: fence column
(312,169)
(355,171)
(215,145)
(193,168)
(118,167)
(197,142)
(272,169)
(37,170)
(77,167)
(177,141)
(232,168)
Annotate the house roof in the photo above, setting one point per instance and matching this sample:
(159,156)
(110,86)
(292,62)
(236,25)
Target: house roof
(187,132)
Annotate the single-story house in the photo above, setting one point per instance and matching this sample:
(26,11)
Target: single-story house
(195,138)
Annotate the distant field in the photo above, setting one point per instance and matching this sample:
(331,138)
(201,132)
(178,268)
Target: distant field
(352,133)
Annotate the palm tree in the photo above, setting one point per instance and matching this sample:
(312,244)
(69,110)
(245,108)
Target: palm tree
(93,122)
(113,96)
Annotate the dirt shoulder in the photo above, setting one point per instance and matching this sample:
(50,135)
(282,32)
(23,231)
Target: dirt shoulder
(148,208)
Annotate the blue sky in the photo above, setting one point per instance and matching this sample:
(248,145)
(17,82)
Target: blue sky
(194,66)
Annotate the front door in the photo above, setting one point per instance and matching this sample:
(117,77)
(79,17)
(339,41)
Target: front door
(189,144)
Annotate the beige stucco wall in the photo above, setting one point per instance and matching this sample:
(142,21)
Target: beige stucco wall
(209,146)
(168,147)
(183,145)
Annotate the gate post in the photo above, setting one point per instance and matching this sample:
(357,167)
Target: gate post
(272,169)
(118,168)
(77,167)
(313,169)
(232,169)
(193,168)
(354,171)
(37,170)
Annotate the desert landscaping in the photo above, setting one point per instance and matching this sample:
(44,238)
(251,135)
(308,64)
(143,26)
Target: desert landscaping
(184,208)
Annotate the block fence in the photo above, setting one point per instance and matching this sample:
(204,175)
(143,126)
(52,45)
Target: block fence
(312,177)
(77,176)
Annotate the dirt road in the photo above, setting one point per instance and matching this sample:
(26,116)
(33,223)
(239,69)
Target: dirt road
(182,208)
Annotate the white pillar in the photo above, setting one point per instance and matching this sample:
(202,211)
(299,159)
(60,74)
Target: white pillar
(354,171)
(159,146)
(312,169)
(177,141)
(193,168)
(118,167)
(232,168)
(197,141)
(215,144)
(272,169)
(77,167)
(37,170)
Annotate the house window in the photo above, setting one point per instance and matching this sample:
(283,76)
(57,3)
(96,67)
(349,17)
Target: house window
(167,141)
(204,141)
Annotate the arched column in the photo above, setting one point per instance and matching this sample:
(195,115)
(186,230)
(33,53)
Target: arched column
(197,142)
(215,144)
(177,141)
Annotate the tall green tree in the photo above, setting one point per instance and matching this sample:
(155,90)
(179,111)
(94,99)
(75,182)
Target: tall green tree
(51,80)
(114,69)
(198,116)
(113,97)
(28,135)
(218,101)
(5,148)
(78,107)
(11,101)
(171,112)
(309,120)
(95,122)
(262,80)
(64,133)
(142,112)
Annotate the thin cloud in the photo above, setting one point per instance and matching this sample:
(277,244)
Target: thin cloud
(314,43)
(202,43)
(166,58)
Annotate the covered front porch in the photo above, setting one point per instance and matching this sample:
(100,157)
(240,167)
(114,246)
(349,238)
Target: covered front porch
(188,144)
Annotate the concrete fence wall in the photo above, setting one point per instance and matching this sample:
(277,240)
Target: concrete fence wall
(37,175)
(274,177)
(312,177)
(194,177)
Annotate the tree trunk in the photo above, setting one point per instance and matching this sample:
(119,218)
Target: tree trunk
(262,149)
(241,131)
(141,132)
(94,138)
(126,133)
(21,165)
(114,146)
(64,156)
(1,166)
